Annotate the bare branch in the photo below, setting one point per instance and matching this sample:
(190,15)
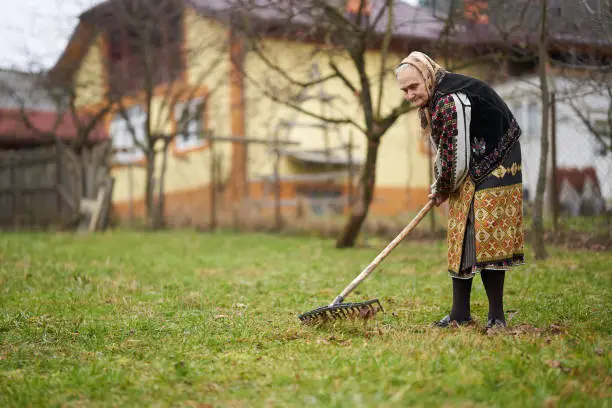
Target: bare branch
(384,55)
(343,77)
(288,102)
(388,121)
(285,75)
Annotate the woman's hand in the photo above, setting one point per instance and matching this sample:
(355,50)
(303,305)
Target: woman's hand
(437,198)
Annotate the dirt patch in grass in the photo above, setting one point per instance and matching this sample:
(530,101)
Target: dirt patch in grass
(529,330)
(581,240)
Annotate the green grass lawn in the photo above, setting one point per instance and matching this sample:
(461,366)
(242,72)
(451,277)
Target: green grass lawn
(200,320)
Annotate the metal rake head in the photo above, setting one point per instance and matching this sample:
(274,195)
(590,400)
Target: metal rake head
(360,310)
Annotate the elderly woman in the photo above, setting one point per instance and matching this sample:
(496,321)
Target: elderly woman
(478,170)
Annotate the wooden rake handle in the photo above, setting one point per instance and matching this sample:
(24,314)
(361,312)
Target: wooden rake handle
(383,254)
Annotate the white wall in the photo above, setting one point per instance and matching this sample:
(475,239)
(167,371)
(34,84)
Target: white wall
(576,146)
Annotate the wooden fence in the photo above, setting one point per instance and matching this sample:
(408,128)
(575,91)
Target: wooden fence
(45,186)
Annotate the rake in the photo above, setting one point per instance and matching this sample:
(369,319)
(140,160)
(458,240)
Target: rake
(369,308)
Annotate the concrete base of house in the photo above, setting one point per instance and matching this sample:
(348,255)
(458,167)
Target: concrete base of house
(193,207)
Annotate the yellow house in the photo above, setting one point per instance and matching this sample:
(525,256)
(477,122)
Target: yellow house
(209,70)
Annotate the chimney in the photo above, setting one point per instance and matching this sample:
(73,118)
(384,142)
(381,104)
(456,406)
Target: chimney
(352,6)
(476,11)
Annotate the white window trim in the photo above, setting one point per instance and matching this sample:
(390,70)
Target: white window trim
(122,137)
(595,116)
(532,107)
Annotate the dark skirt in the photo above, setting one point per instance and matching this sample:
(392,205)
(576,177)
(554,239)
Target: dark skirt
(485,227)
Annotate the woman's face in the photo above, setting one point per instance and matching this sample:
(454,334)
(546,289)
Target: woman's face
(412,84)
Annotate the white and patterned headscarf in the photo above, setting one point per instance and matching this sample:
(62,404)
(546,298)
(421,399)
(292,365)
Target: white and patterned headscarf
(429,71)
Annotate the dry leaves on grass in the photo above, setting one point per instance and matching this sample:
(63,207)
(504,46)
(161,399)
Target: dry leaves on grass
(193,300)
(336,341)
(195,404)
(204,272)
(529,330)
(551,402)
(559,365)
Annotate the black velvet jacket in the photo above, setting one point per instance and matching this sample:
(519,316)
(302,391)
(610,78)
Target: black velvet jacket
(493,128)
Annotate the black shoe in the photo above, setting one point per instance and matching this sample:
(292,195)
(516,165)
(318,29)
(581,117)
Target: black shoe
(496,323)
(446,321)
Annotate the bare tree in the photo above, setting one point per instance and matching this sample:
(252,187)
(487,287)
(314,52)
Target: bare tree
(344,34)
(43,93)
(538,36)
(46,107)
(158,92)
(590,75)
(589,97)
(600,126)
(538,224)
(37,97)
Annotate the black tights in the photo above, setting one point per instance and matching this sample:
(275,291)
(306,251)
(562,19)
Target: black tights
(493,282)
(462,289)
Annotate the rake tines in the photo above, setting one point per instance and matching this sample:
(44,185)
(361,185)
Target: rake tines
(363,310)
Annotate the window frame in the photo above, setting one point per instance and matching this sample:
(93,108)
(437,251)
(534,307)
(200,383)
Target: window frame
(197,106)
(122,137)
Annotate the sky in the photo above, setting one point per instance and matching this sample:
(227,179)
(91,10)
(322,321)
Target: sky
(33,33)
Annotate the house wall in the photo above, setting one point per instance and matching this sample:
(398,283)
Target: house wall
(207,67)
(576,146)
(238,107)
(403,165)
(187,175)
(90,77)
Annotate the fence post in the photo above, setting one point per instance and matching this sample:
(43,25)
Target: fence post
(277,208)
(58,180)
(130,193)
(13,187)
(553,150)
(213,187)
(349,184)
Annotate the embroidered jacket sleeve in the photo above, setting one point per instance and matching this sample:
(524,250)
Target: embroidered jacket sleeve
(450,127)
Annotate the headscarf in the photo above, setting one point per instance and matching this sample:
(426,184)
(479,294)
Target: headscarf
(429,71)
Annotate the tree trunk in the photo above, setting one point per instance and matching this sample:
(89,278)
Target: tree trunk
(538,224)
(160,221)
(150,189)
(364,197)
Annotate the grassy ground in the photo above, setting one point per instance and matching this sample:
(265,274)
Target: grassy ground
(187,319)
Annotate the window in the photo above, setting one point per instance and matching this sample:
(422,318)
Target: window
(115,46)
(534,118)
(516,106)
(190,124)
(602,128)
(141,34)
(604,137)
(122,137)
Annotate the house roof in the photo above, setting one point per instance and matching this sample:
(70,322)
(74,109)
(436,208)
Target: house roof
(576,177)
(412,24)
(14,129)
(409,22)
(320,157)
(21,94)
(21,88)
(78,45)
(570,23)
